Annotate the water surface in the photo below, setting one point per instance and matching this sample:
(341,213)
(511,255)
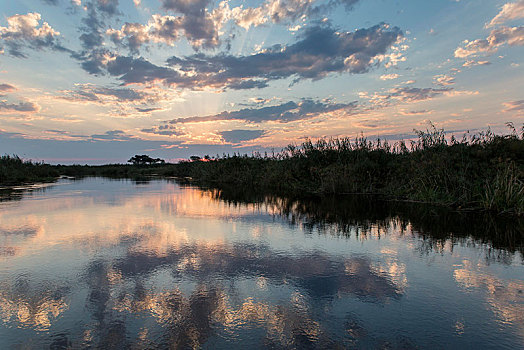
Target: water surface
(120,264)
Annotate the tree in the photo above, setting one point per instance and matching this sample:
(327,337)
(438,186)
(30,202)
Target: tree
(145,160)
(195,158)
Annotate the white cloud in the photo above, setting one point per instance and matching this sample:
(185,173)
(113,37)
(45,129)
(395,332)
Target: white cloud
(25,30)
(509,12)
(471,63)
(444,80)
(512,36)
(514,106)
(389,76)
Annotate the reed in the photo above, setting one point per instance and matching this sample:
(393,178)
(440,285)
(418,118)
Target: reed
(15,171)
(479,171)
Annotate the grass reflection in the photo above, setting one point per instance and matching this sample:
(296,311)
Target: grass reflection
(364,216)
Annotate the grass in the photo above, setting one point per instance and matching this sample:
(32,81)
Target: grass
(15,171)
(481,171)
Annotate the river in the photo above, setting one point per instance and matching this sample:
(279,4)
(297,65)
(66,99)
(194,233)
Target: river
(155,264)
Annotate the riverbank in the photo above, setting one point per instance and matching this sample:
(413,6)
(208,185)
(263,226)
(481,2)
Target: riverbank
(481,172)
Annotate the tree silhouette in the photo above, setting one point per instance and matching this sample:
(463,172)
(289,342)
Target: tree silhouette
(145,160)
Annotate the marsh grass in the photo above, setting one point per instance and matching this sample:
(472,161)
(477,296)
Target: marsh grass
(15,171)
(478,171)
(506,192)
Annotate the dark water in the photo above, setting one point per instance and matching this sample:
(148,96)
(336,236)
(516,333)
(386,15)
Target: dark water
(119,264)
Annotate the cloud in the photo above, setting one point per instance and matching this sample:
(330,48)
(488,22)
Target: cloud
(405,95)
(509,12)
(471,63)
(148,109)
(128,69)
(26,31)
(201,26)
(512,36)
(306,109)
(50,2)
(284,113)
(261,100)
(389,76)
(163,130)
(92,29)
(444,80)
(185,6)
(64,135)
(113,135)
(96,12)
(109,7)
(4,88)
(514,106)
(285,11)
(102,95)
(200,30)
(131,35)
(20,107)
(126,101)
(319,52)
(417,112)
(238,136)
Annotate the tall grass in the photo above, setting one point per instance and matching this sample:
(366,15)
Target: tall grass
(505,192)
(479,171)
(14,170)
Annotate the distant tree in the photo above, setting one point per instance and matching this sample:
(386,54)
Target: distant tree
(195,158)
(145,160)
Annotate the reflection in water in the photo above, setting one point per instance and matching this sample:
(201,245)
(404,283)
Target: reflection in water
(363,215)
(116,264)
(31,306)
(503,297)
(316,273)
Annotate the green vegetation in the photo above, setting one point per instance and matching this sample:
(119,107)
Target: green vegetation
(137,172)
(15,171)
(481,171)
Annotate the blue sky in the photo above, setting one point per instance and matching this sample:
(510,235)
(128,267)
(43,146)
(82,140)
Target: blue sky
(96,81)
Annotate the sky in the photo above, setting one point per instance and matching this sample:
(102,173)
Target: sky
(97,81)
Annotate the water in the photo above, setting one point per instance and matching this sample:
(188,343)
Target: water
(120,264)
